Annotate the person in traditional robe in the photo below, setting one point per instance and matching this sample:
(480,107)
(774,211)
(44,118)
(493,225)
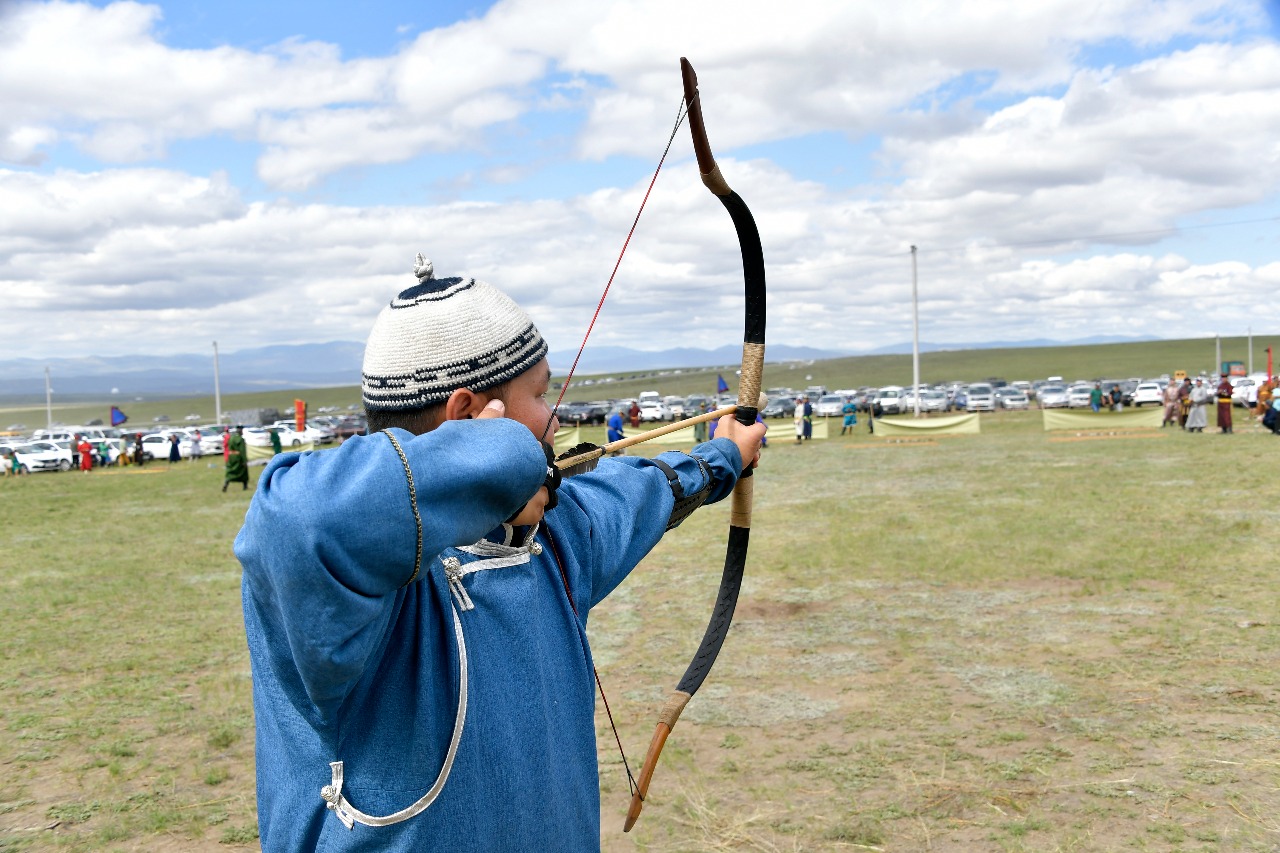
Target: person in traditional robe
(85,449)
(614,432)
(850,412)
(139,453)
(416,599)
(237,460)
(1171,405)
(275,441)
(1200,397)
(175,455)
(1224,392)
(799,419)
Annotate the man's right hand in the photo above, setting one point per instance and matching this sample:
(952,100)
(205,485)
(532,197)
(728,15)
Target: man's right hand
(536,508)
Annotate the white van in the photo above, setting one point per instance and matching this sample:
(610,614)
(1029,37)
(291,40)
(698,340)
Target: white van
(649,397)
(888,400)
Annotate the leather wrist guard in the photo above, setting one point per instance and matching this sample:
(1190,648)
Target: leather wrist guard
(685,504)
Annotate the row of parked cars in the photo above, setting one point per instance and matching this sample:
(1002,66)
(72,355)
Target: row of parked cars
(56,449)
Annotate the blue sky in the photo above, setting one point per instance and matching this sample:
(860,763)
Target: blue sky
(264,173)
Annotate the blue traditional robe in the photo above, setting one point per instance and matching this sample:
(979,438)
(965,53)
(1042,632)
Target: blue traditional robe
(477,665)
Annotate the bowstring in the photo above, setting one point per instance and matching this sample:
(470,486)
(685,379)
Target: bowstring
(680,114)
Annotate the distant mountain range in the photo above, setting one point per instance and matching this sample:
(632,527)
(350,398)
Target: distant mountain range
(338,363)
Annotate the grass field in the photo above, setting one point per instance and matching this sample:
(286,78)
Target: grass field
(1003,642)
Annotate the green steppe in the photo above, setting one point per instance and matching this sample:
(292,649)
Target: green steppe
(1109,361)
(1016,641)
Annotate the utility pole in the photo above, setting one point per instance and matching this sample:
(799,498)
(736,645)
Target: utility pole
(217,388)
(915,333)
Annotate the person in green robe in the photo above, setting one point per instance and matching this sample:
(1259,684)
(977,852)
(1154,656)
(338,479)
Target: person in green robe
(275,441)
(237,461)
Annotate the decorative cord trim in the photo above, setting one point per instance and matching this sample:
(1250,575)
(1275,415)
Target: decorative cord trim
(413,504)
(350,815)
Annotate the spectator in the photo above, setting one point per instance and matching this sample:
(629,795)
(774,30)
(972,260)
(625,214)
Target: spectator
(1095,397)
(1171,404)
(850,411)
(700,430)
(275,441)
(86,454)
(634,412)
(196,450)
(1184,402)
(139,455)
(237,461)
(1224,405)
(615,432)
(175,455)
(1117,398)
(1198,419)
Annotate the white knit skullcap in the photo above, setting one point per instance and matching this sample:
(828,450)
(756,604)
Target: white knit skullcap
(441,335)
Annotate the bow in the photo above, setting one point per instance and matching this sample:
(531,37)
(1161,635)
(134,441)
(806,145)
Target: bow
(748,399)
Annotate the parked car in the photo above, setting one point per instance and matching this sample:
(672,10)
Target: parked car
(1148,392)
(1010,397)
(1078,396)
(39,455)
(980,397)
(350,425)
(829,406)
(934,401)
(653,410)
(886,401)
(675,405)
(592,414)
(907,401)
(261,436)
(156,446)
(782,407)
(1052,397)
(312,432)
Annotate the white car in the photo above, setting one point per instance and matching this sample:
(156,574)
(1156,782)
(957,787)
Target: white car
(1079,396)
(934,401)
(829,406)
(886,400)
(40,456)
(981,398)
(312,432)
(1244,391)
(156,446)
(1148,392)
(1012,398)
(1052,397)
(261,437)
(651,410)
(675,405)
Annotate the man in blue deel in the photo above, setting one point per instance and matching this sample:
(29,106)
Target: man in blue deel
(415,600)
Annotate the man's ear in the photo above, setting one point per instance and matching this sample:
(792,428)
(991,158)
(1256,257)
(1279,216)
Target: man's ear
(463,404)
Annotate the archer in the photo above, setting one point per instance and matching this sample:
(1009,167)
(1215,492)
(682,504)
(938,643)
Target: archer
(416,600)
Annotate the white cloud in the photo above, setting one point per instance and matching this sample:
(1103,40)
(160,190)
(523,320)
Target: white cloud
(156,255)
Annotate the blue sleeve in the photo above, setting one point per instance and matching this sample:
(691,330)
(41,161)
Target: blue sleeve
(331,536)
(627,501)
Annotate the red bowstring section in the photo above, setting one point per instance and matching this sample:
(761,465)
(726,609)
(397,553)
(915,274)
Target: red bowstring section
(680,114)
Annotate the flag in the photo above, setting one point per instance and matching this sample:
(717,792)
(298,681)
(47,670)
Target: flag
(118,417)
(721,385)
